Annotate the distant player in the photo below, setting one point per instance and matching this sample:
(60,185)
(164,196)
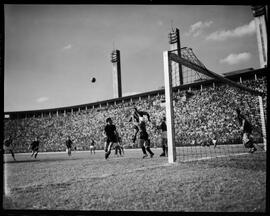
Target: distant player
(69,145)
(34,147)
(92,146)
(111,134)
(214,141)
(164,143)
(246,128)
(9,146)
(118,150)
(205,141)
(118,147)
(121,144)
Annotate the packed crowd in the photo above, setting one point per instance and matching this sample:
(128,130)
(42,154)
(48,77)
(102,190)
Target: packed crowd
(201,115)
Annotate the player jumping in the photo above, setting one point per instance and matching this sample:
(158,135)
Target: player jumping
(140,126)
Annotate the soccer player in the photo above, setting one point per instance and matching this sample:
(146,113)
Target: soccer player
(214,141)
(163,128)
(9,146)
(92,146)
(144,140)
(205,141)
(140,126)
(136,117)
(69,144)
(246,128)
(121,144)
(111,134)
(118,149)
(118,146)
(34,147)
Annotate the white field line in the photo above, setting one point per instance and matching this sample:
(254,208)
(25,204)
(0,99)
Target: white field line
(207,158)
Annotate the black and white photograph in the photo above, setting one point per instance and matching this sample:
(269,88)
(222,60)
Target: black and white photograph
(135,108)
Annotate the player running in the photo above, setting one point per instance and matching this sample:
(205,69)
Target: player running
(9,146)
(163,128)
(140,126)
(92,146)
(34,146)
(111,134)
(246,128)
(69,145)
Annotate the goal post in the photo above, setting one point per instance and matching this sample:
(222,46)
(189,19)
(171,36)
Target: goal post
(168,57)
(263,122)
(169,108)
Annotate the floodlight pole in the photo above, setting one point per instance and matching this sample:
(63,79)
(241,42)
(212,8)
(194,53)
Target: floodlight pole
(169,107)
(263,122)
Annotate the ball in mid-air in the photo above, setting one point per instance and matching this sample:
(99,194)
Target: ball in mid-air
(93,80)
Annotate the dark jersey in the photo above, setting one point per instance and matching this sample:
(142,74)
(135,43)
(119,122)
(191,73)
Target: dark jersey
(143,133)
(92,143)
(110,131)
(35,145)
(68,143)
(142,126)
(163,126)
(247,127)
(7,142)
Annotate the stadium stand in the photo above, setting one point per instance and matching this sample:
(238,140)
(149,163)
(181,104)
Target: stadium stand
(201,112)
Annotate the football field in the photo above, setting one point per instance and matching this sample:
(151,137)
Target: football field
(54,181)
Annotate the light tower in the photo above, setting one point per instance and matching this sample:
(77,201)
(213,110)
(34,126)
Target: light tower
(175,47)
(116,72)
(260,17)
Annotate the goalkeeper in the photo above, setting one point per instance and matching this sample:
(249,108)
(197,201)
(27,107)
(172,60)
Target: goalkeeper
(246,128)
(163,128)
(137,118)
(140,126)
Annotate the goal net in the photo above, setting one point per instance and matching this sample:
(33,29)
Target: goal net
(201,121)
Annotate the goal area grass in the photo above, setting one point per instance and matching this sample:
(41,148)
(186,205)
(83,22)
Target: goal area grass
(54,181)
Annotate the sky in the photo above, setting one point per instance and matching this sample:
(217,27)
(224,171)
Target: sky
(53,51)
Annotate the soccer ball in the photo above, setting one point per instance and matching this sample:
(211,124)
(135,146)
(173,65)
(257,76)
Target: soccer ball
(93,80)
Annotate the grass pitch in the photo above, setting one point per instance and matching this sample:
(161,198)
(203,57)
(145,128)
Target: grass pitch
(54,181)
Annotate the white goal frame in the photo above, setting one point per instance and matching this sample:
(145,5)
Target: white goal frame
(168,57)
